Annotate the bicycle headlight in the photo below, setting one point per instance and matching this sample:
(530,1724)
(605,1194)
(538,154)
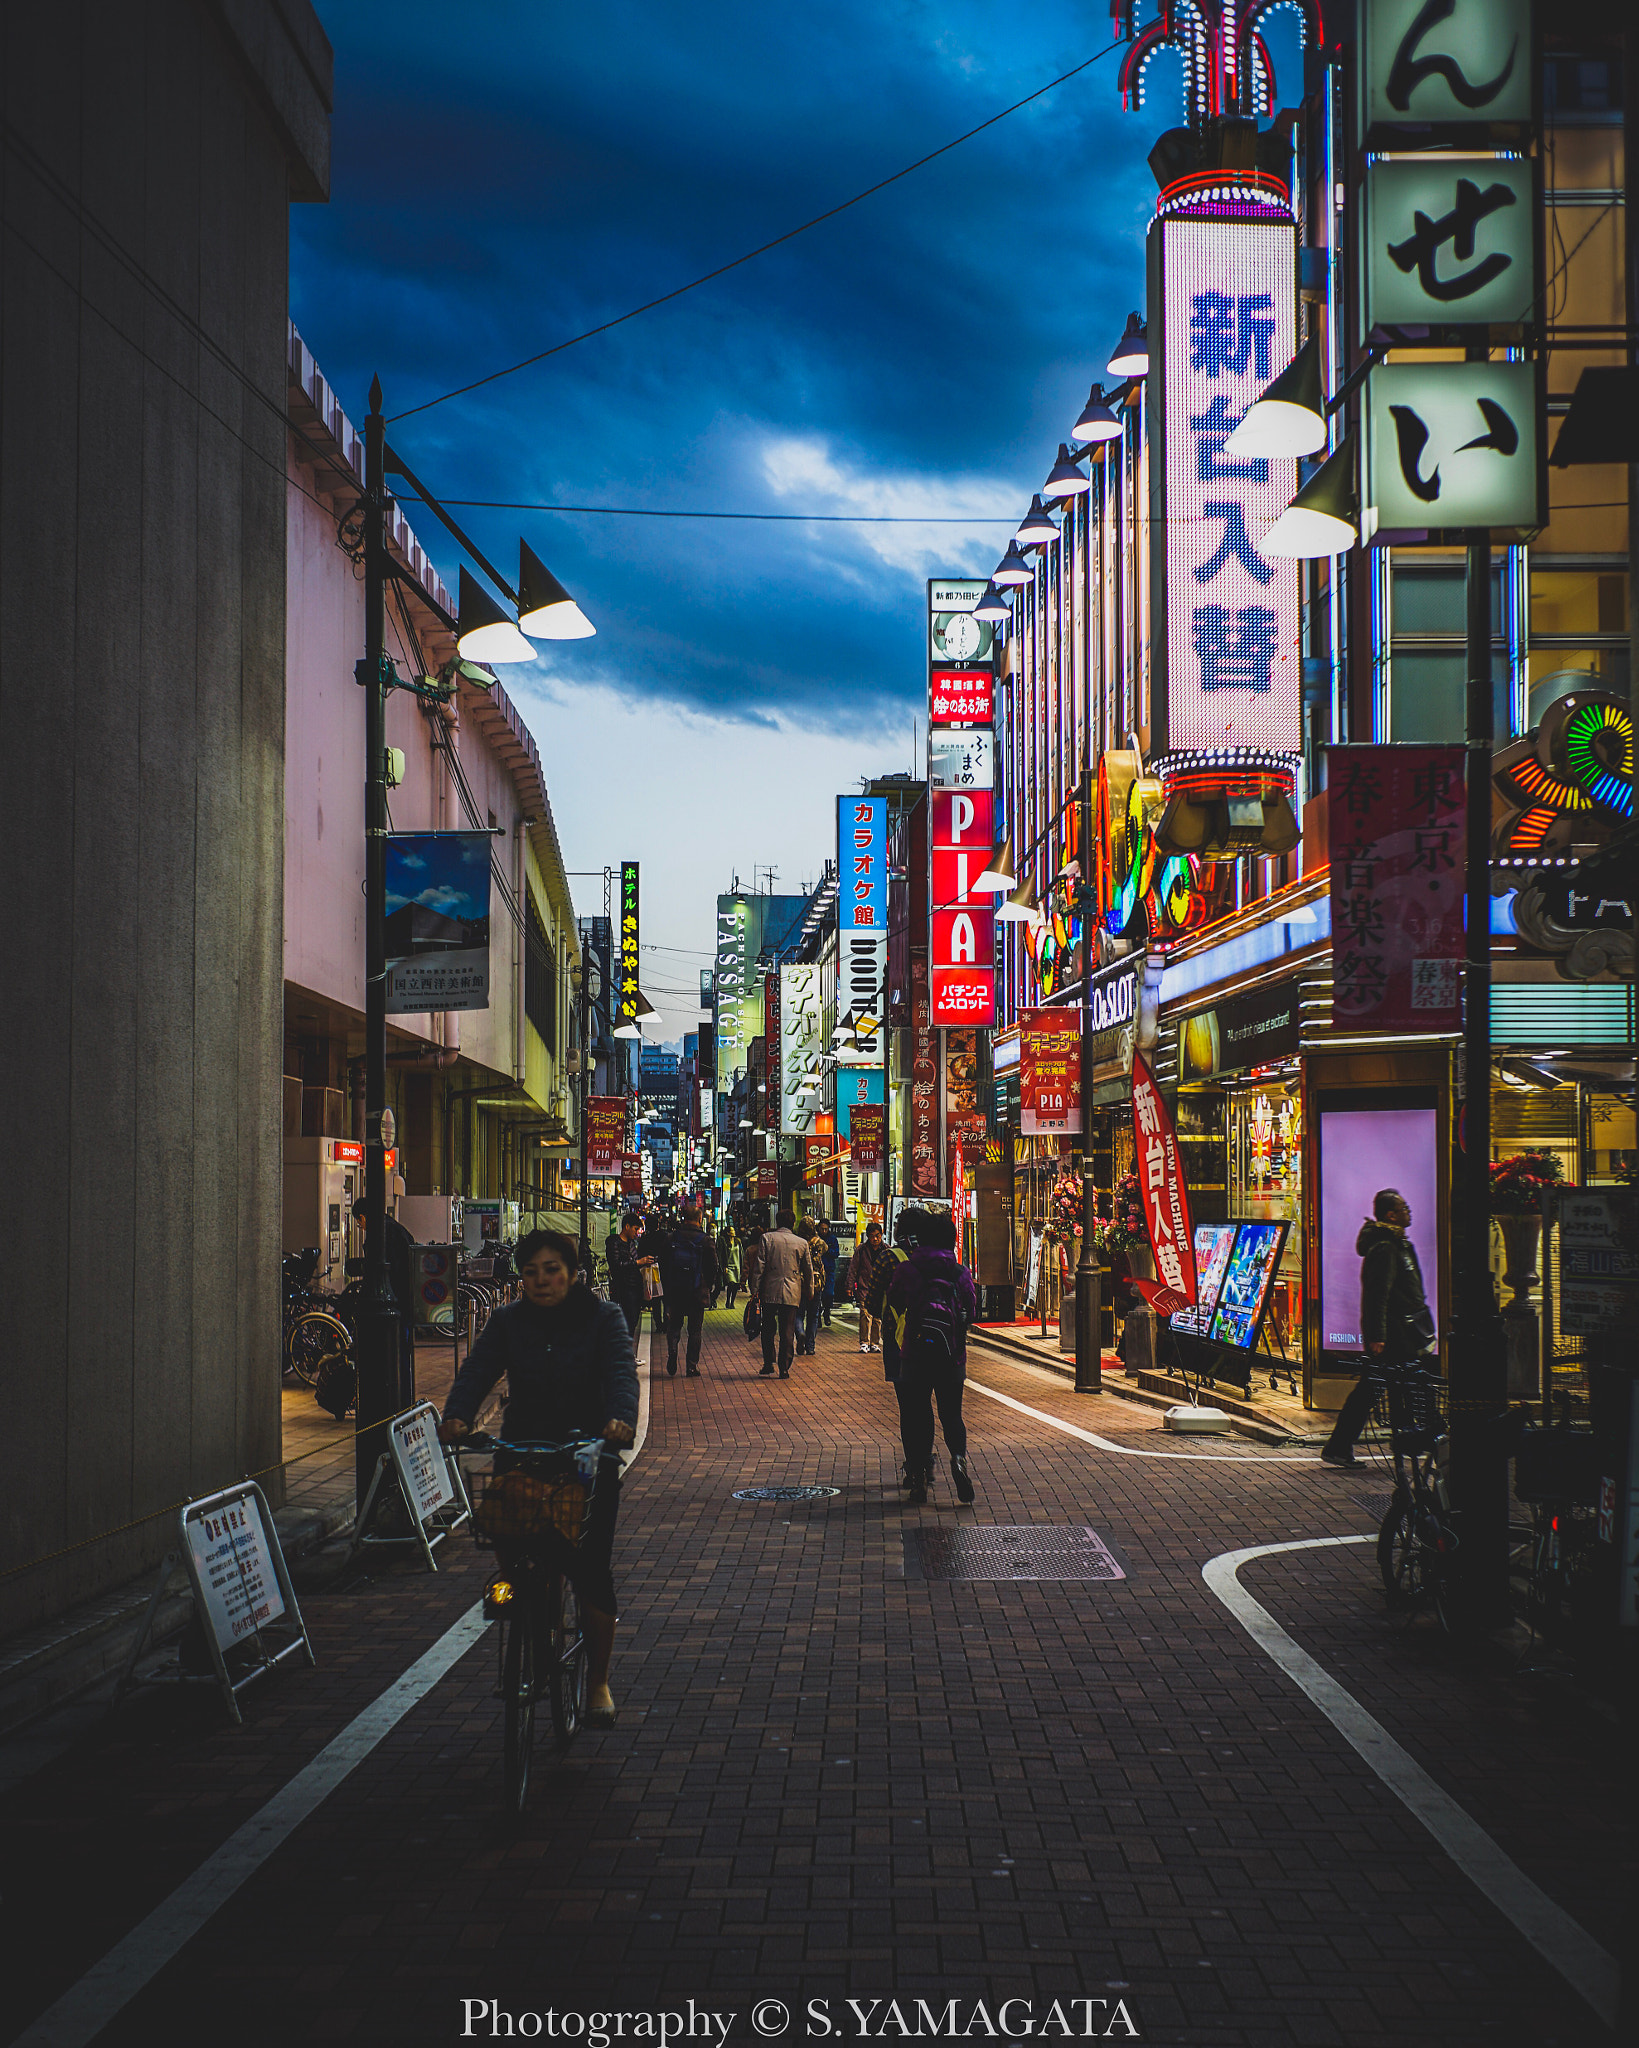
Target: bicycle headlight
(497,1594)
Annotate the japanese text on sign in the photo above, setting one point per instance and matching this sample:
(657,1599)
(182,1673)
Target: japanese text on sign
(628,941)
(235,1569)
(1165,1196)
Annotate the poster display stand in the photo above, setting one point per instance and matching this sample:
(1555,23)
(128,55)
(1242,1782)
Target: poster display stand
(418,1495)
(245,1607)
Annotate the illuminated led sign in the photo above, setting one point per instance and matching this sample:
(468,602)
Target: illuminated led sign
(1231,674)
(862,926)
(1445,64)
(628,942)
(800,1050)
(962,938)
(1454,445)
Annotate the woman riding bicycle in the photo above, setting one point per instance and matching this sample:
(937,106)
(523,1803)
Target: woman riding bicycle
(569,1368)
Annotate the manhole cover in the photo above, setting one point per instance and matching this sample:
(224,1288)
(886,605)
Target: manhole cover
(1376,1505)
(787,1492)
(1003,1553)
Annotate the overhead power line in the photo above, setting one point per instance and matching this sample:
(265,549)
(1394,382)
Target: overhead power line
(751,255)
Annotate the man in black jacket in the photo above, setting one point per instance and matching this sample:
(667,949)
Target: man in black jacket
(625,1274)
(1396,1325)
(690,1271)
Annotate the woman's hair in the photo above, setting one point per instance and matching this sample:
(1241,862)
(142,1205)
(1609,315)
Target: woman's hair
(557,1242)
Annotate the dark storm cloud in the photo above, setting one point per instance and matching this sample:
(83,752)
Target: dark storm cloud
(507,175)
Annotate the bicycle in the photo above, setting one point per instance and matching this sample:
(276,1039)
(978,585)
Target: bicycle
(1417,1542)
(314,1333)
(1556,1475)
(536,1507)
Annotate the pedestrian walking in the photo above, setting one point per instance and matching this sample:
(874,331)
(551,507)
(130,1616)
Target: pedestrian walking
(830,1252)
(809,1321)
(861,1272)
(907,1235)
(934,1293)
(401,1277)
(785,1267)
(729,1262)
(691,1282)
(1396,1325)
(654,1248)
(626,1283)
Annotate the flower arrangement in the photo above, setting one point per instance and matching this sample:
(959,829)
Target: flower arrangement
(1125,1227)
(1518,1184)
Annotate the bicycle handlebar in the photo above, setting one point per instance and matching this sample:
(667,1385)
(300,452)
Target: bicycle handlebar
(479,1442)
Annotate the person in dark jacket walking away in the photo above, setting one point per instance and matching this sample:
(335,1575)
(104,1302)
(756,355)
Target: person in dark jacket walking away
(907,1235)
(934,1293)
(625,1274)
(1396,1325)
(570,1372)
(401,1275)
(691,1281)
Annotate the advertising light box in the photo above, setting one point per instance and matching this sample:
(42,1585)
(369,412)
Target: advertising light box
(1363,1149)
(1232,668)
(1451,446)
(1445,64)
(1450,241)
(962,935)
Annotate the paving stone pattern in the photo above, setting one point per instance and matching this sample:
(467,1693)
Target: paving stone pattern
(831,1779)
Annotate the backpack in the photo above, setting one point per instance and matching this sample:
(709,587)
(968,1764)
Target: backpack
(688,1261)
(936,1329)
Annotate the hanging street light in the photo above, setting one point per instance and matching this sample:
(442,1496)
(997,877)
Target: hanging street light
(1289,416)
(1012,569)
(1037,526)
(997,872)
(545,608)
(994,606)
(1064,480)
(1021,907)
(1324,517)
(1096,421)
(485,633)
(1131,357)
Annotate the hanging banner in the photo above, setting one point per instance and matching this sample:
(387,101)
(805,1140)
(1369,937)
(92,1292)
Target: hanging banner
(631,1173)
(923,1175)
(437,921)
(965,1120)
(770,1104)
(1395,825)
(765,1182)
(962,937)
(605,1136)
(1050,1073)
(1161,1183)
(628,942)
(866,1135)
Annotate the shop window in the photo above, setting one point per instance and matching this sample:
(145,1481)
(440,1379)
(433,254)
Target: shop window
(1428,695)
(1428,665)
(1579,632)
(1199,1120)
(1577,86)
(541,983)
(1608,1138)
(1266,1183)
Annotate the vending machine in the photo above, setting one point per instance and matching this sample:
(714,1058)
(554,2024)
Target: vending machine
(324,1177)
(431,1219)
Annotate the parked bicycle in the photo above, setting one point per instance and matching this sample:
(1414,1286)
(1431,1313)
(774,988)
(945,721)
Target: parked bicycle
(316,1335)
(1417,1543)
(532,1507)
(1556,1475)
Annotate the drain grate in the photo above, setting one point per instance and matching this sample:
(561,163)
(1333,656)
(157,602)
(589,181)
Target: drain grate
(1375,1504)
(1008,1553)
(787,1492)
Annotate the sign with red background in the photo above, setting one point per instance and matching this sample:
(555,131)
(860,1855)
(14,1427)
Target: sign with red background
(1049,1072)
(605,1135)
(961,696)
(923,1174)
(865,1129)
(962,927)
(1165,1196)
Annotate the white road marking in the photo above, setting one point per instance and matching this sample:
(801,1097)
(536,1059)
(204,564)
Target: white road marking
(109,1986)
(1103,1443)
(1560,1940)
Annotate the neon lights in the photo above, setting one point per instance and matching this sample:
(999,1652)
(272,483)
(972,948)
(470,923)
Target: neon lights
(1569,783)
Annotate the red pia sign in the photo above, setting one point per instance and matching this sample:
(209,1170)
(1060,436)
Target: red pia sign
(865,1122)
(1165,1197)
(961,696)
(962,933)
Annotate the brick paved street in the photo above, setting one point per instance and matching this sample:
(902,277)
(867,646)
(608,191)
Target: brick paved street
(831,1780)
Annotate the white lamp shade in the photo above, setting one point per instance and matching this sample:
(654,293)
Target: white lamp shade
(484,632)
(1012,569)
(1036,526)
(1064,480)
(545,608)
(1274,428)
(1131,357)
(995,606)
(1096,422)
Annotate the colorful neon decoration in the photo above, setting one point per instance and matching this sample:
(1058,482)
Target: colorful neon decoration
(1569,783)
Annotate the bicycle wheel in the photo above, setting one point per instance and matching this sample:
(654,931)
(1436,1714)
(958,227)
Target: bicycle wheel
(518,1697)
(1400,1557)
(315,1338)
(567,1685)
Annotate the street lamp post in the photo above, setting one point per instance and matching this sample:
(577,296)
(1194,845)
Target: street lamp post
(1089,1363)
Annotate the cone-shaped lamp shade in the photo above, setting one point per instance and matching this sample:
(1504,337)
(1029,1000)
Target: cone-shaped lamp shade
(998,870)
(545,608)
(1131,357)
(1036,526)
(845,1027)
(645,1011)
(484,632)
(1020,907)
(1096,422)
(627,1030)
(1324,517)
(995,605)
(1064,480)
(1012,569)
(1290,417)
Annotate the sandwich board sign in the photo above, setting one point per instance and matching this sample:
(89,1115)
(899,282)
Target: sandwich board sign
(245,1607)
(431,1494)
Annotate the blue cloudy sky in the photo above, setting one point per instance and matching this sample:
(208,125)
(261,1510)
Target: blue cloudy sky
(508,174)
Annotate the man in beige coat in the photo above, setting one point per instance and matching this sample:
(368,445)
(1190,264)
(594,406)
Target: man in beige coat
(785,1278)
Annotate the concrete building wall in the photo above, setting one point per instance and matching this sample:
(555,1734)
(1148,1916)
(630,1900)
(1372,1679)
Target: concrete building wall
(153,148)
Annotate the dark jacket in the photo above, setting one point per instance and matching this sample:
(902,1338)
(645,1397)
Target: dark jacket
(625,1276)
(569,1370)
(1394,1310)
(401,1266)
(910,1287)
(863,1271)
(672,1278)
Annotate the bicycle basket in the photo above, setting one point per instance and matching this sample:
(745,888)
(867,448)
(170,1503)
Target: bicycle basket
(1407,1415)
(1557,1465)
(518,1507)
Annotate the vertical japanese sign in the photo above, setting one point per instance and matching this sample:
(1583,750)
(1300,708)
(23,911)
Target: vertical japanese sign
(922,1176)
(1458,64)
(628,942)
(605,1136)
(437,921)
(965,1120)
(1050,1072)
(962,943)
(1166,1198)
(865,1136)
(800,1049)
(1233,676)
(862,926)
(769,1112)
(1395,826)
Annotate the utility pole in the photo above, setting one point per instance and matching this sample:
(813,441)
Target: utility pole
(1089,1359)
(379,1392)
(1478,1380)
